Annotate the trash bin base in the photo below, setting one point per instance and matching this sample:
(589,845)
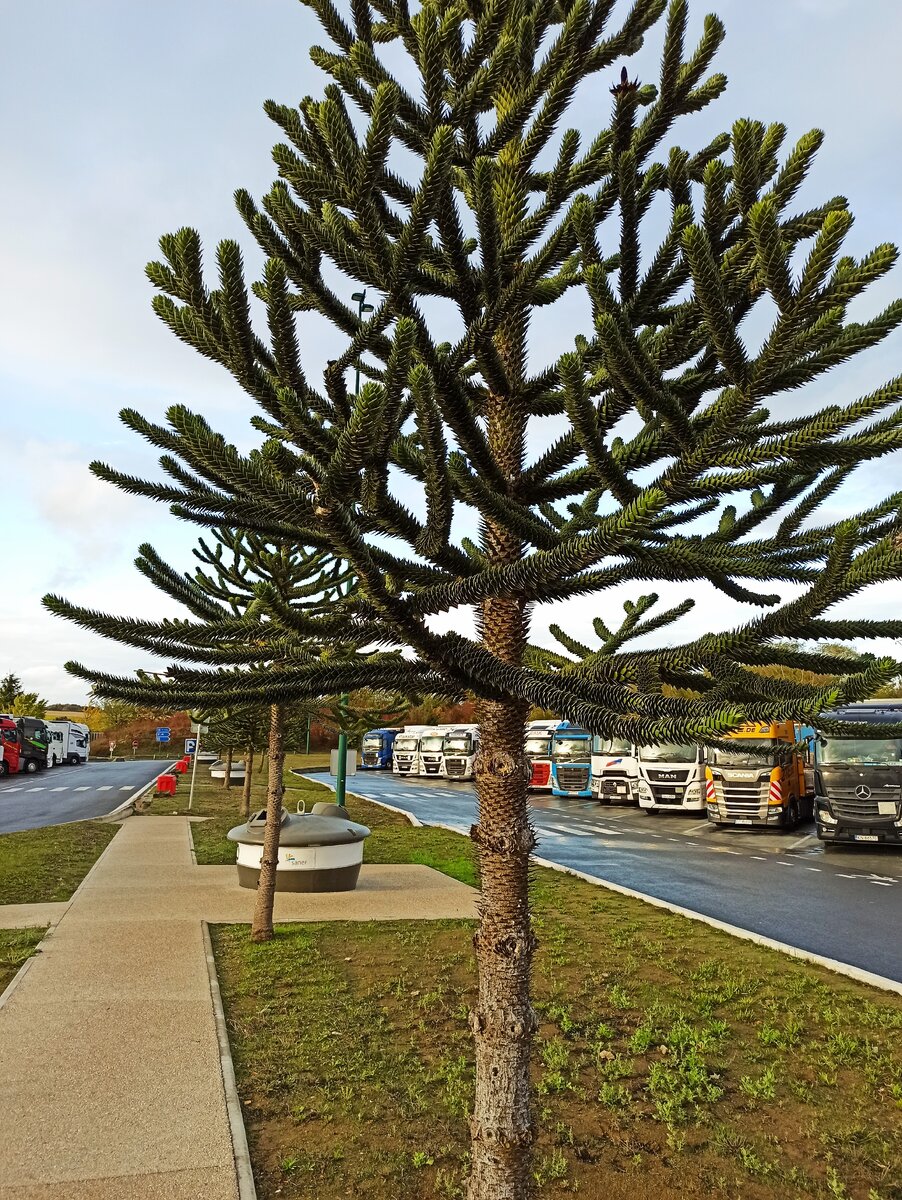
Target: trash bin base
(325,879)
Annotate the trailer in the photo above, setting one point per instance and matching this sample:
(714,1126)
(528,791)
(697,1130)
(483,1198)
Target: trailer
(70,741)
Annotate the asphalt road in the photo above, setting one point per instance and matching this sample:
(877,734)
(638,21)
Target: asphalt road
(67,793)
(845,904)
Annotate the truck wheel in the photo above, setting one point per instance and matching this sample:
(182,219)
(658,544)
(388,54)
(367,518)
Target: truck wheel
(31,766)
(791,816)
(4,767)
(73,760)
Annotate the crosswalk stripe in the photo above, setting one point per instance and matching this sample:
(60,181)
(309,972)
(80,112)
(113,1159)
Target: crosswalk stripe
(36,789)
(60,789)
(14,789)
(82,789)
(106,788)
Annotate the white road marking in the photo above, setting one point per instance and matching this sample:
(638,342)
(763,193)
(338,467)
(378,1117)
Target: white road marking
(848,876)
(879,883)
(107,787)
(739,852)
(13,789)
(82,789)
(36,789)
(781,863)
(126,788)
(758,857)
(813,869)
(803,841)
(60,789)
(695,827)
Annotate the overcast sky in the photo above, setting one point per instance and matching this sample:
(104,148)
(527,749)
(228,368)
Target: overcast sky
(124,121)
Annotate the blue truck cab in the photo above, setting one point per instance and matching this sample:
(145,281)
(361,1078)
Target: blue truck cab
(571,761)
(376,749)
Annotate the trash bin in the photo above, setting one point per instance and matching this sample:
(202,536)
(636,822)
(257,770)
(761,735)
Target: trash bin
(318,851)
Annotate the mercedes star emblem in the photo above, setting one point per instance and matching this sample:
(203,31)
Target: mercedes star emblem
(862,791)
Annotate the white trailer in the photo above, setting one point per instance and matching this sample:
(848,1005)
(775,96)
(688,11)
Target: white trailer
(460,748)
(70,742)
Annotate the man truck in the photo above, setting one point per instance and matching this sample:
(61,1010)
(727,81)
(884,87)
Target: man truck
(764,778)
(460,747)
(376,749)
(614,771)
(671,777)
(432,750)
(858,779)
(537,748)
(571,761)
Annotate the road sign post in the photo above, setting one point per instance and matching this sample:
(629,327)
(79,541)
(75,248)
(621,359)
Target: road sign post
(134,747)
(196,741)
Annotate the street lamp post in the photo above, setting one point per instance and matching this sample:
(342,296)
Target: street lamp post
(341,773)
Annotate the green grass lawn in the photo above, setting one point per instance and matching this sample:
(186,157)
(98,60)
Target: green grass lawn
(672,1060)
(16,945)
(40,866)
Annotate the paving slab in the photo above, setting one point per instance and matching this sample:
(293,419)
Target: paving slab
(24,916)
(110,1075)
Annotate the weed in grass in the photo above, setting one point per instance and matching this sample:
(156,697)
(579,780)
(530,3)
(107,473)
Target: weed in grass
(680,1084)
(642,1039)
(835,1185)
(614,1095)
(420,1159)
(764,1087)
(753,1163)
(619,997)
(784,1037)
(551,1168)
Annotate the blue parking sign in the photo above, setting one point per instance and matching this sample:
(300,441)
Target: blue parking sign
(163,734)
(190,745)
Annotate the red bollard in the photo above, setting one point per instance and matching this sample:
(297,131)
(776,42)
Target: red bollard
(181,767)
(166,785)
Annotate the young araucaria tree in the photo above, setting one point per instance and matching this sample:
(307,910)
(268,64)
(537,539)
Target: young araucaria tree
(673,444)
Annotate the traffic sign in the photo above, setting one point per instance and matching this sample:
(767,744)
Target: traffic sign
(134,743)
(163,734)
(197,727)
(190,745)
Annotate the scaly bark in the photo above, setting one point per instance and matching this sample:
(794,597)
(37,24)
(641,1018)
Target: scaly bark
(261,929)
(504,1022)
(246,790)
(227,780)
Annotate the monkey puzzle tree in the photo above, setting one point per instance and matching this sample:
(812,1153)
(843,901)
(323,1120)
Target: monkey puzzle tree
(671,443)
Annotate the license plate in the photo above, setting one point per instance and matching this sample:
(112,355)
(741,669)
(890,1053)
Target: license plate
(668,795)
(743,821)
(866,837)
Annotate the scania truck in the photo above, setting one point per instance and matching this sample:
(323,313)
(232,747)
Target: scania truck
(406,750)
(376,749)
(70,742)
(766,777)
(615,771)
(858,780)
(537,748)
(460,747)
(571,761)
(671,777)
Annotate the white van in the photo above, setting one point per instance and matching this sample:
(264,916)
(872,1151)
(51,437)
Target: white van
(70,742)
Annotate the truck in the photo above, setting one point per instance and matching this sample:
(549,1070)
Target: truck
(571,761)
(432,750)
(460,747)
(9,746)
(537,748)
(614,771)
(858,779)
(766,776)
(34,742)
(70,741)
(671,777)
(406,750)
(376,749)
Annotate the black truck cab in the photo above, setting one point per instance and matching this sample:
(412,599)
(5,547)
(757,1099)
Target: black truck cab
(858,779)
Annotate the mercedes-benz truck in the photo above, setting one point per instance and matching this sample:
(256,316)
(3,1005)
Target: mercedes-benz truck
(571,761)
(460,748)
(671,777)
(615,771)
(537,748)
(858,779)
(764,778)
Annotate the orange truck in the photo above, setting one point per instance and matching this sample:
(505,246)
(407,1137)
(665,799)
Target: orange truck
(766,777)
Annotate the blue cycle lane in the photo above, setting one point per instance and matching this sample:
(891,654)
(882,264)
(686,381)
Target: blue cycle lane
(845,906)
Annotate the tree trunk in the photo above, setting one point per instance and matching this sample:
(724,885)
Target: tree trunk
(227,779)
(246,790)
(261,929)
(504,1022)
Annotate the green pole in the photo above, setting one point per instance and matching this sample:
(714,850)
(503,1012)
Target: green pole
(307,748)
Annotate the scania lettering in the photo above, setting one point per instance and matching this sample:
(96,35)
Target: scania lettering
(671,777)
(858,780)
(406,750)
(10,750)
(537,748)
(70,741)
(571,762)
(614,771)
(460,748)
(376,749)
(764,778)
(432,754)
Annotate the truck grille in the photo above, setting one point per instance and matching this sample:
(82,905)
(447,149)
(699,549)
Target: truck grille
(370,759)
(744,800)
(405,765)
(432,766)
(846,804)
(455,767)
(668,795)
(573,779)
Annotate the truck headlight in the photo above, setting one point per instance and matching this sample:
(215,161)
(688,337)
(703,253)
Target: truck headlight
(642,788)
(826,816)
(693,791)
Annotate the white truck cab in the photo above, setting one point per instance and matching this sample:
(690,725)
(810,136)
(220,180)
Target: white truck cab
(405,759)
(671,777)
(615,771)
(460,748)
(70,742)
(432,750)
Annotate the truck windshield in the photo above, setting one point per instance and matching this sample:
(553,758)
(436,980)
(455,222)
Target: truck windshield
(462,744)
(372,741)
(432,741)
(748,752)
(538,747)
(10,735)
(567,748)
(862,750)
(610,746)
(406,743)
(668,752)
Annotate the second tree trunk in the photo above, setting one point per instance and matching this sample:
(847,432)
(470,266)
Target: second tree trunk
(261,929)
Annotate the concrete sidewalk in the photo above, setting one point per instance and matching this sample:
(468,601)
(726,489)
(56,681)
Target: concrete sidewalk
(110,1076)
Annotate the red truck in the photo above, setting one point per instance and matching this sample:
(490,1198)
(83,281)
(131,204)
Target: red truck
(9,746)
